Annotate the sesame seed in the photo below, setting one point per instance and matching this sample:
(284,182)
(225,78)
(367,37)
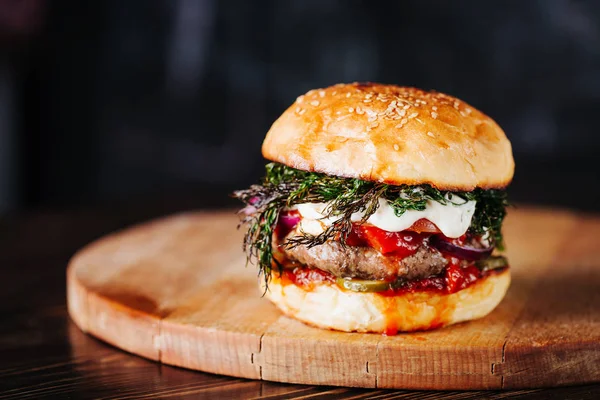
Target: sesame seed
(434,108)
(406,107)
(434,115)
(300,99)
(396,147)
(402,113)
(315,103)
(430,134)
(334,92)
(351,109)
(302,111)
(403,121)
(411,116)
(348,94)
(321,93)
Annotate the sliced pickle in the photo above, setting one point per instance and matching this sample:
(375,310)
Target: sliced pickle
(493,262)
(359,285)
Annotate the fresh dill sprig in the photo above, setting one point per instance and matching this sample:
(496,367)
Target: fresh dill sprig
(284,187)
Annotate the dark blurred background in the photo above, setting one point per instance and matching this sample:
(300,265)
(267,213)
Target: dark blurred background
(109,102)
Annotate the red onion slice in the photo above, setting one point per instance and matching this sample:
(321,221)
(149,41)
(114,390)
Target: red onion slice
(462,252)
(250,209)
(289,221)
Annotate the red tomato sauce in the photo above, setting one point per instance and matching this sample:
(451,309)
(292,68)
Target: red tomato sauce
(454,279)
(306,277)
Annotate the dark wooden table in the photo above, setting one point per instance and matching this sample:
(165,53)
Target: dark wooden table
(43,354)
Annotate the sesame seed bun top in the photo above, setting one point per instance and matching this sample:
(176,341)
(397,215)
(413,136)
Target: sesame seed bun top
(392,134)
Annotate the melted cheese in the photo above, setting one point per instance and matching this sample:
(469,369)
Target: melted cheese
(453,219)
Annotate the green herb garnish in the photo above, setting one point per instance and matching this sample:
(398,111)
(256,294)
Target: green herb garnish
(284,187)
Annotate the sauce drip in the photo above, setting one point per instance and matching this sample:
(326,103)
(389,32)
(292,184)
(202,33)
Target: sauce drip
(390,330)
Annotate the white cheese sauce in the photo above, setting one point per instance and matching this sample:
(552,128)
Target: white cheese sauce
(453,219)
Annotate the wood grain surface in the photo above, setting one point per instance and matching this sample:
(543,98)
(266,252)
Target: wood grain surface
(176,291)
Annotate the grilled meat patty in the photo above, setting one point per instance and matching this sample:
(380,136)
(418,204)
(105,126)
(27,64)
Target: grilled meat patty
(366,262)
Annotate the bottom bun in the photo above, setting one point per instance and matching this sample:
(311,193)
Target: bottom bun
(327,306)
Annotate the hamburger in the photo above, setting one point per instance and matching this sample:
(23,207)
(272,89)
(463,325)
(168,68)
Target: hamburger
(381,210)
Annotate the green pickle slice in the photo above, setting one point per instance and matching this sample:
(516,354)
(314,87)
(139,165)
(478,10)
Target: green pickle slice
(360,285)
(491,263)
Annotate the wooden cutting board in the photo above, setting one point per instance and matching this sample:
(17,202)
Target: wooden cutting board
(176,291)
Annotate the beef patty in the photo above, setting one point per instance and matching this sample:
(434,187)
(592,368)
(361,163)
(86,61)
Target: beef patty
(366,262)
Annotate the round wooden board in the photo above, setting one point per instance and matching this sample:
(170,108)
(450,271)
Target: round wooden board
(176,291)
